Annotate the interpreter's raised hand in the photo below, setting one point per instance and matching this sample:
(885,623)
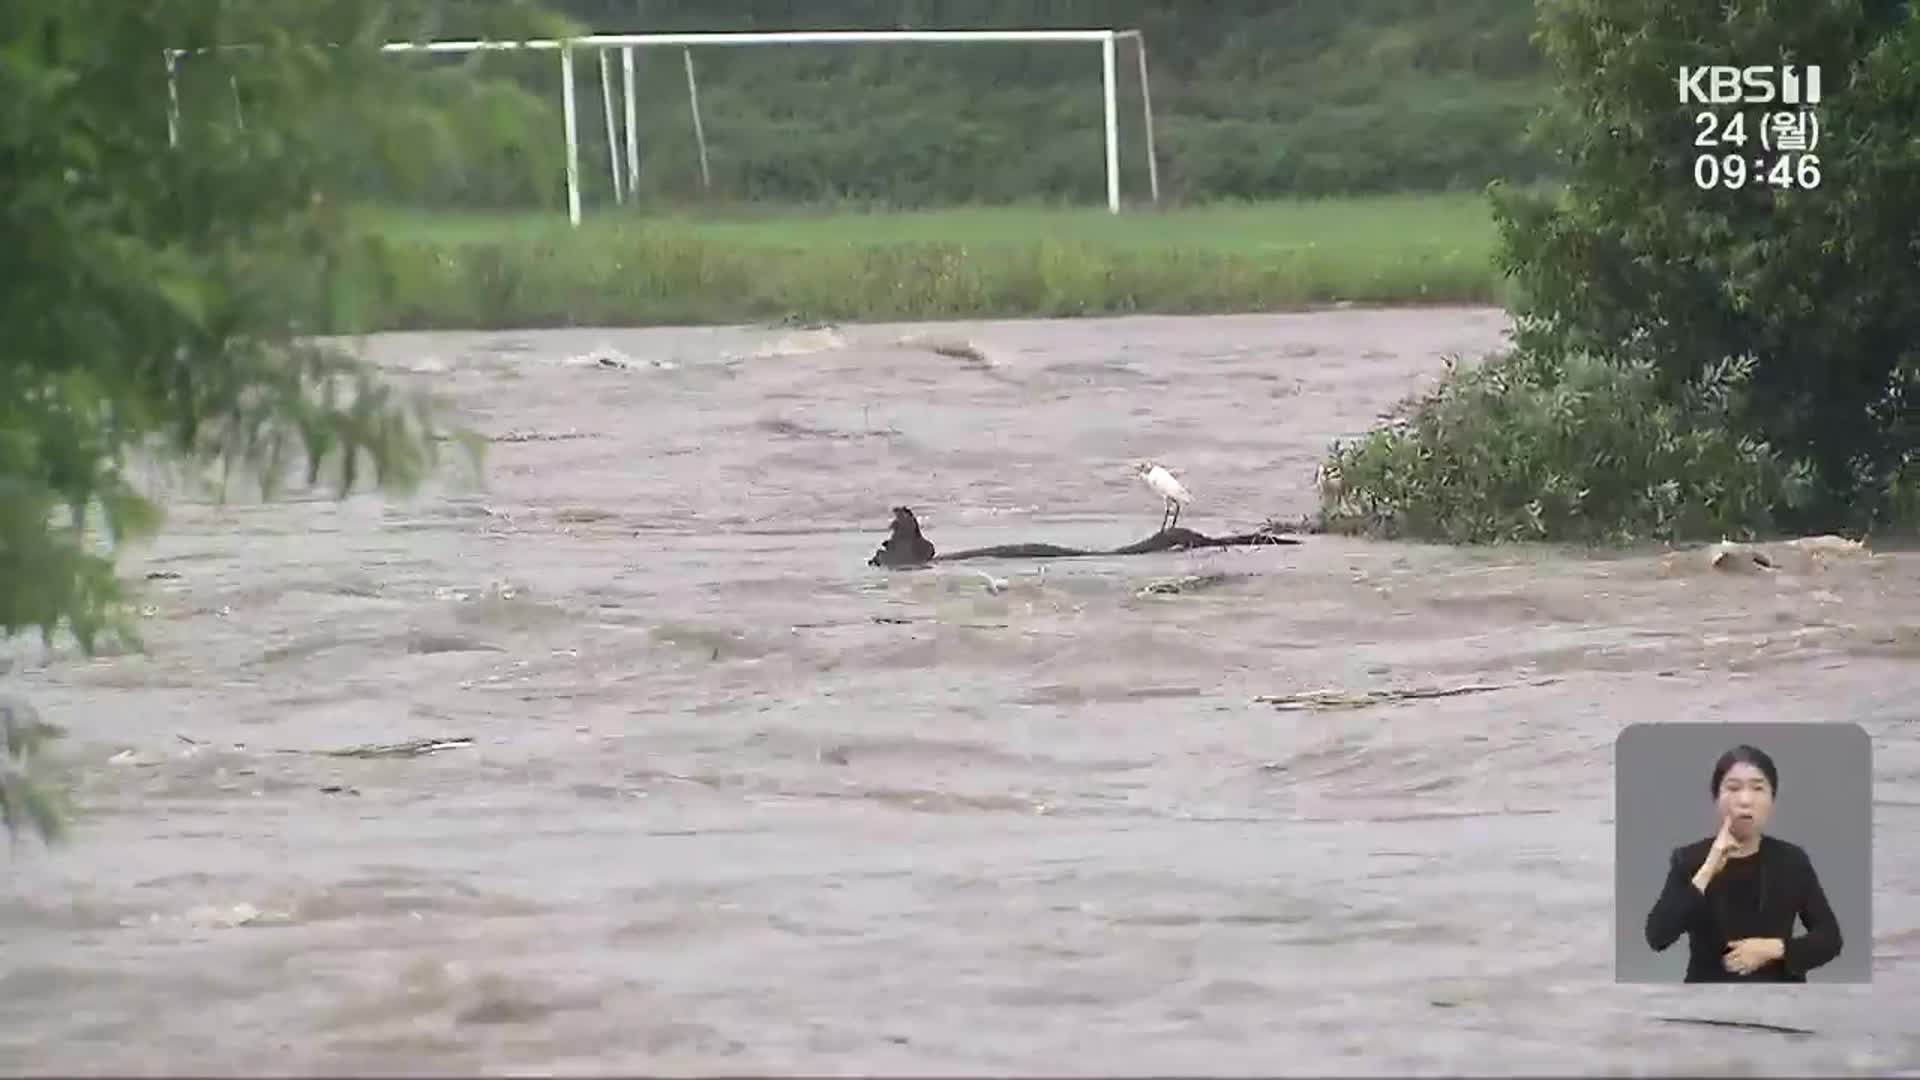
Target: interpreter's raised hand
(1723,843)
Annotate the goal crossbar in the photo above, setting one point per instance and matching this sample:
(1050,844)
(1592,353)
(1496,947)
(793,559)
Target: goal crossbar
(1107,39)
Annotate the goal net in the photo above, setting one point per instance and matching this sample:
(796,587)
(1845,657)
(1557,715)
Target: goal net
(600,95)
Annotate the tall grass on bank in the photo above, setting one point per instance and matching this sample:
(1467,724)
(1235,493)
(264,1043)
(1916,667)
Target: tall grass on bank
(629,268)
(26,799)
(1576,449)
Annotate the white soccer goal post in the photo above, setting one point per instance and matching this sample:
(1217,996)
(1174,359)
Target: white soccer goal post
(627,180)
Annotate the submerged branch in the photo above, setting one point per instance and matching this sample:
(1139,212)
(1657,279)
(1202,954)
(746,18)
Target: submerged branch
(906,547)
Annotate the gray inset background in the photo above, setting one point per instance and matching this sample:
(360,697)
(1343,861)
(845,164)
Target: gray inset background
(1663,774)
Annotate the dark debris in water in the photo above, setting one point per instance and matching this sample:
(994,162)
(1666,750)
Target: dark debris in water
(795,429)
(518,436)
(1744,1025)
(410,748)
(426,643)
(501,1010)
(1192,583)
(1361,699)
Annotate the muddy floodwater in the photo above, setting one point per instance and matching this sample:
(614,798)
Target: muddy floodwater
(734,802)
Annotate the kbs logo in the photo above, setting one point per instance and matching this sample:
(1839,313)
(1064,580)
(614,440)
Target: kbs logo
(1723,84)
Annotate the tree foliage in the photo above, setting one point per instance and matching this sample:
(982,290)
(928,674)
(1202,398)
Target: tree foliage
(1690,362)
(157,299)
(1577,449)
(1814,286)
(25,803)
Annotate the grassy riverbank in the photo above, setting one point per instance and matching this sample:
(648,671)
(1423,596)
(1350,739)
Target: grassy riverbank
(622,268)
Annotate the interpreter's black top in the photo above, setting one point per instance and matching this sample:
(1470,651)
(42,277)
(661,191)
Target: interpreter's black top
(1756,896)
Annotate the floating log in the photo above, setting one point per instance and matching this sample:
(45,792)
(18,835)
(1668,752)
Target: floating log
(905,546)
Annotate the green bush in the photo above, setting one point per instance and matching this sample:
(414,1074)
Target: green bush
(1816,285)
(1752,327)
(1575,449)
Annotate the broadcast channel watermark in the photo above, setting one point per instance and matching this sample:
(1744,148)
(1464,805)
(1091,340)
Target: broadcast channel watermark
(1762,126)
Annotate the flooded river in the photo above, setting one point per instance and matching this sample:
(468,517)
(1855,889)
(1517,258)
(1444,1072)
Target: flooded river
(734,802)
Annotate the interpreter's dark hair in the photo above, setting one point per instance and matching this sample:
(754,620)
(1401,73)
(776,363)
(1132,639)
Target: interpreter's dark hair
(1749,755)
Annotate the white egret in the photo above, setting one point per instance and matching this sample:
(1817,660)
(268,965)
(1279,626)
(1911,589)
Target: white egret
(1164,485)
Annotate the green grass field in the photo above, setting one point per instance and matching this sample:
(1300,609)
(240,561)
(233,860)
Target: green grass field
(637,267)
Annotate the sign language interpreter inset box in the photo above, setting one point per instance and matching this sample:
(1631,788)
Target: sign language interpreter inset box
(1743,853)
